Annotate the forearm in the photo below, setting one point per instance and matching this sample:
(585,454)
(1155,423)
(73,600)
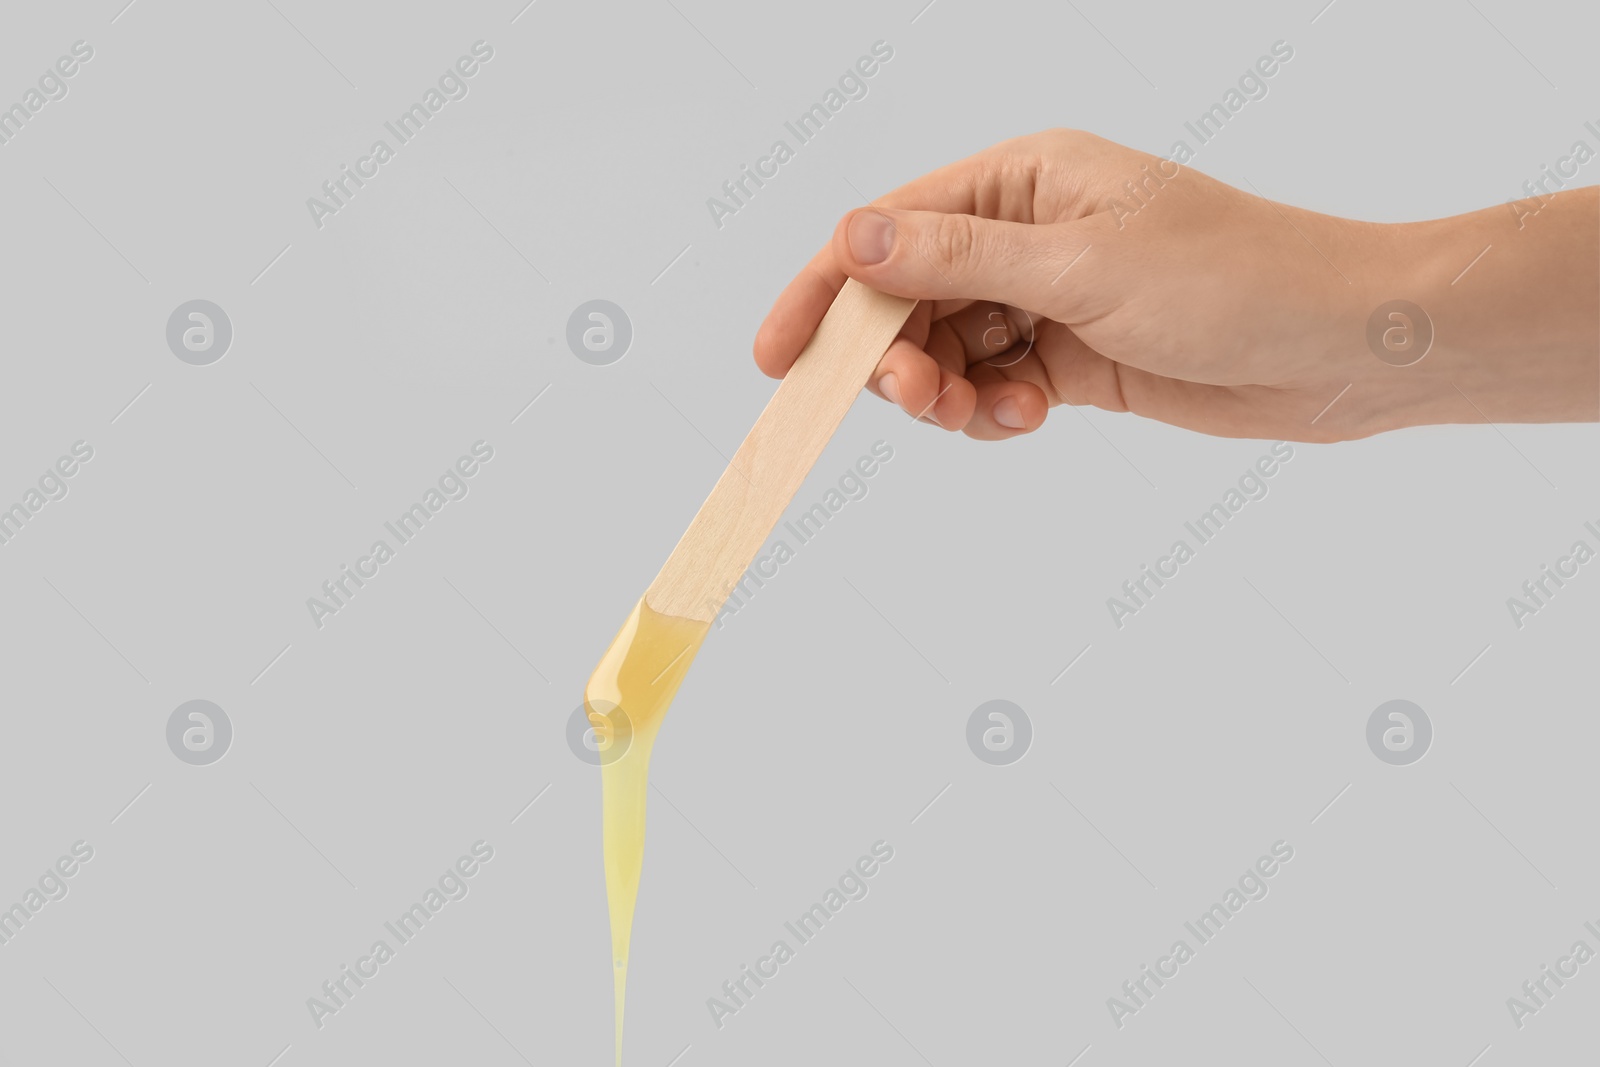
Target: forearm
(1513,297)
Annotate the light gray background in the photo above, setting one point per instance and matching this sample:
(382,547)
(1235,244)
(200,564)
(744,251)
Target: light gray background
(370,754)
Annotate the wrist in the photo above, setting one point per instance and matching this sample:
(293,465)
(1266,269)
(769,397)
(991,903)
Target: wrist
(1492,316)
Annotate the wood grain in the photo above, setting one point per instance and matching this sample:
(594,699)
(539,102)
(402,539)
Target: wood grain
(761,480)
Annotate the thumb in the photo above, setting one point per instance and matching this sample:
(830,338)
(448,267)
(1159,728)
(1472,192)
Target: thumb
(929,255)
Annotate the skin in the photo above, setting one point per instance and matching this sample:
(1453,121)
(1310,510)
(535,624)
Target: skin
(1043,280)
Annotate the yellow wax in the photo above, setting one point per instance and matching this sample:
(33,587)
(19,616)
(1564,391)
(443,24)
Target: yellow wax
(626,698)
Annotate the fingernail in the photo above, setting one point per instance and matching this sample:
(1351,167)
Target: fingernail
(890,388)
(871,237)
(1008,413)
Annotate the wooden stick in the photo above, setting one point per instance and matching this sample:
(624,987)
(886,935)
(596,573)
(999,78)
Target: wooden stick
(779,451)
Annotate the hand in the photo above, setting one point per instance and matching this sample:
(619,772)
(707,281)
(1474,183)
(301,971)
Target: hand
(1061,268)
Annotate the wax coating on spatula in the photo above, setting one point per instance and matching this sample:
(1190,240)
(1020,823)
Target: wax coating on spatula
(627,696)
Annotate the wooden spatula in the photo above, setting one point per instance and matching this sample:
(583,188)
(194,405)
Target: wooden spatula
(636,679)
(766,472)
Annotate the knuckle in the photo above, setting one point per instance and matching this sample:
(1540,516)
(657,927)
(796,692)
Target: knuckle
(954,239)
(1064,137)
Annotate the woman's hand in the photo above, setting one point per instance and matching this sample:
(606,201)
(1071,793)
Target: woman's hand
(1064,269)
